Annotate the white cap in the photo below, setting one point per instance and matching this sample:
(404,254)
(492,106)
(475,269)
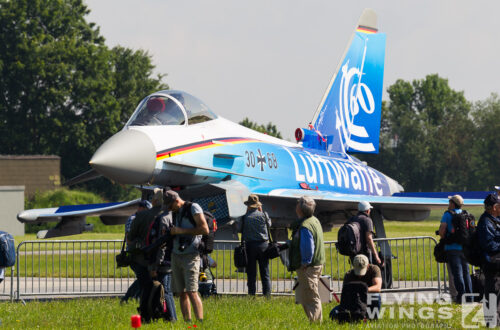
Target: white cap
(364,206)
(360,264)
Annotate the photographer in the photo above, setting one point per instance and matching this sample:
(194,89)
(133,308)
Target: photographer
(158,254)
(136,239)
(488,231)
(189,225)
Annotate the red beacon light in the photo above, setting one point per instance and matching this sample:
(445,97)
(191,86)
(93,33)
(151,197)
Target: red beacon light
(299,134)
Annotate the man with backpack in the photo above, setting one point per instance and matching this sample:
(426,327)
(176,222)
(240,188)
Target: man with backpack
(255,233)
(189,225)
(363,234)
(488,231)
(453,222)
(159,258)
(134,290)
(137,240)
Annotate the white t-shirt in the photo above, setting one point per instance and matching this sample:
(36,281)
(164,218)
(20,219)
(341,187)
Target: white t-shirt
(190,244)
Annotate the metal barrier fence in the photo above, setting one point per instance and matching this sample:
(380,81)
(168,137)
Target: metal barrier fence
(7,283)
(87,267)
(76,268)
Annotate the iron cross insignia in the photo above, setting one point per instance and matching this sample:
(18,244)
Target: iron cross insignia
(261,160)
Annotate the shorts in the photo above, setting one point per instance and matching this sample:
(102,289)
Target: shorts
(185,272)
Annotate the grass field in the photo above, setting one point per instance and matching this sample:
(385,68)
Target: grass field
(227,312)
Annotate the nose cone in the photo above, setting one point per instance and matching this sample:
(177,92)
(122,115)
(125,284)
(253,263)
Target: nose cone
(127,157)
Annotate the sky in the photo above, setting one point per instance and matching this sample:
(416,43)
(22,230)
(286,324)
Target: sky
(271,60)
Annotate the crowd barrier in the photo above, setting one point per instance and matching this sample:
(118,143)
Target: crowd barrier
(61,268)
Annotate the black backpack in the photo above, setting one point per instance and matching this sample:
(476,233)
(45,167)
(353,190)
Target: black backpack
(472,250)
(349,238)
(7,250)
(207,241)
(153,305)
(353,301)
(464,225)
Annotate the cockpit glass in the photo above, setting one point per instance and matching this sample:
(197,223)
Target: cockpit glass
(171,108)
(159,110)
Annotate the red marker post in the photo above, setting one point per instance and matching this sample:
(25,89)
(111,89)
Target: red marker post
(135,321)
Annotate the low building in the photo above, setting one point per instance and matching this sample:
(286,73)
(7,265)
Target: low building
(34,172)
(11,203)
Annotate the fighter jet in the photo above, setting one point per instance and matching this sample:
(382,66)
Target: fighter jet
(174,139)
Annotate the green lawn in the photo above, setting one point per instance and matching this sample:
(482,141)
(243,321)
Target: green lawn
(226,312)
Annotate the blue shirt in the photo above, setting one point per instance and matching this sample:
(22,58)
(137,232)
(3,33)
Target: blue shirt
(447,217)
(306,246)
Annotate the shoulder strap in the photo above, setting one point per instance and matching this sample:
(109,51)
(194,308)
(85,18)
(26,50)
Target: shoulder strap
(242,226)
(123,245)
(148,236)
(354,218)
(186,210)
(266,216)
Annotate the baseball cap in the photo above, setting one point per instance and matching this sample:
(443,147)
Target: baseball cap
(364,206)
(360,264)
(169,197)
(457,199)
(491,199)
(157,199)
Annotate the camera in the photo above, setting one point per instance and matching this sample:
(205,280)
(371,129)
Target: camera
(184,242)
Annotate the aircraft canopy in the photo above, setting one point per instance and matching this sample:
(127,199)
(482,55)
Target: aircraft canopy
(170,107)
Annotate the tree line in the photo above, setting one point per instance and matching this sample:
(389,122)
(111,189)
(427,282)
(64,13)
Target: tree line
(433,139)
(64,92)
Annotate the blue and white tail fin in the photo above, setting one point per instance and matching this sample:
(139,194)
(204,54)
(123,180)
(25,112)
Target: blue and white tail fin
(348,117)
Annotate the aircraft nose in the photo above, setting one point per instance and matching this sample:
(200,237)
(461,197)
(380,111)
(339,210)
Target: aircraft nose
(127,157)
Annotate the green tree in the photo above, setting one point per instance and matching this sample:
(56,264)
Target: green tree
(269,129)
(62,90)
(486,142)
(426,136)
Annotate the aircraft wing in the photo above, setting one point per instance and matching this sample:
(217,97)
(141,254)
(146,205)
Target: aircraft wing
(391,207)
(71,218)
(119,209)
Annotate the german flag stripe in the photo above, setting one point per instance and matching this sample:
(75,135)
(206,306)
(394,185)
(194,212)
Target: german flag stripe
(200,146)
(365,29)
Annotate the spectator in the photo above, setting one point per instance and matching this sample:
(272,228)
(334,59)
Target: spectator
(134,290)
(307,257)
(254,229)
(488,233)
(370,276)
(136,239)
(160,258)
(455,257)
(189,225)
(366,232)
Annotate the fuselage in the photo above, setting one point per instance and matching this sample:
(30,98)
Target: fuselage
(218,149)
